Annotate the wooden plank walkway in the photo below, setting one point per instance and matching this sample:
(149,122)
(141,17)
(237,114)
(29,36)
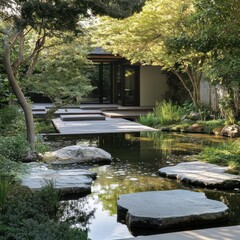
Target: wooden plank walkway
(116,125)
(219,233)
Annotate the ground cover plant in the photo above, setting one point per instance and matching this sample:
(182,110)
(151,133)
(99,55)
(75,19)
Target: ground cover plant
(25,214)
(226,154)
(33,215)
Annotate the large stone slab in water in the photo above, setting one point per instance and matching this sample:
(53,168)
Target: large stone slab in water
(69,182)
(202,174)
(77,154)
(165,210)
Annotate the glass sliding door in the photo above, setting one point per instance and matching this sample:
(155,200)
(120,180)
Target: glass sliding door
(131,86)
(101,80)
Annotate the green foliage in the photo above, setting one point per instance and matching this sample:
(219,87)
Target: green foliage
(44,126)
(225,154)
(164,113)
(11,169)
(149,120)
(4,187)
(29,215)
(62,71)
(168,113)
(11,120)
(5,92)
(154,37)
(13,147)
(227,110)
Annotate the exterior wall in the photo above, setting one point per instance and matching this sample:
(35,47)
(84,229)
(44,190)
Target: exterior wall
(211,95)
(153,85)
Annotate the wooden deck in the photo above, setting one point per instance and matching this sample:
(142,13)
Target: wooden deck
(116,125)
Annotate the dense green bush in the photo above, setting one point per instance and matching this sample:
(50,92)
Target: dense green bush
(11,120)
(27,215)
(163,114)
(168,112)
(13,147)
(149,120)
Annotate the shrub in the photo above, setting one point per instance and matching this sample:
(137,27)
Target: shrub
(168,113)
(149,120)
(13,147)
(29,215)
(44,126)
(11,120)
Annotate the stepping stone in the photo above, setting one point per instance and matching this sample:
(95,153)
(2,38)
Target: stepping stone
(82,117)
(202,174)
(166,210)
(70,182)
(38,109)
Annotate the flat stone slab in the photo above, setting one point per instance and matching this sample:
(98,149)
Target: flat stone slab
(165,210)
(39,109)
(75,111)
(69,182)
(220,233)
(82,117)
(202,174)
(111,125)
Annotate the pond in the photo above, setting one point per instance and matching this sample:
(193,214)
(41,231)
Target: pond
(136,160)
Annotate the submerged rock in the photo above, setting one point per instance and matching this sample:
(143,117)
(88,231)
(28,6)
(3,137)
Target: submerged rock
(232,131)
(69,182)
(202,174)
(77,154)
(165,210)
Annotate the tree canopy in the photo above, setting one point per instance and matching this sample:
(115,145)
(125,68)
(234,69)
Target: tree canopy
(45,19)
(154,37)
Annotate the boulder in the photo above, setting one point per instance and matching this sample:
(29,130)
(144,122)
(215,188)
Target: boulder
(77,154)
(194,116)
(196,128)
(167,210)
(217,131)
(202,174)
(69,182)
(232,131)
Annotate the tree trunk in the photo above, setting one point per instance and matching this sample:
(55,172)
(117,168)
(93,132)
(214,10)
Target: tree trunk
(21,98)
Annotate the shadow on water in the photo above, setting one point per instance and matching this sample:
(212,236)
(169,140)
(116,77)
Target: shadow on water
(136,160)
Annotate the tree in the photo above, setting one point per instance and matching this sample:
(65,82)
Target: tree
(46,18)
(154,36)
(61,72)
(218,35)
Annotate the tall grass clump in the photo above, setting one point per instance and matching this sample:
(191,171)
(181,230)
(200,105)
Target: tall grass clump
(149,120)
(167,112)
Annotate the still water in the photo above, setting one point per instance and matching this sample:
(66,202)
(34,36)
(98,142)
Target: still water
(136,160)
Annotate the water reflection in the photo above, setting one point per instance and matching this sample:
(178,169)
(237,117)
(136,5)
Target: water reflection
(137,158)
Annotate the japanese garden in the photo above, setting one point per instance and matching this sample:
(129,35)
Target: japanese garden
(119,119)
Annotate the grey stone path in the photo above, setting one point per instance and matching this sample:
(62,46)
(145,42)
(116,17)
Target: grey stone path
(166,210)
(73,181)
(92,127)
(220,233)
(202,174)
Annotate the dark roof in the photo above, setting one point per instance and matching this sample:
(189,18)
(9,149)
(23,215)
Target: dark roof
(99,51)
